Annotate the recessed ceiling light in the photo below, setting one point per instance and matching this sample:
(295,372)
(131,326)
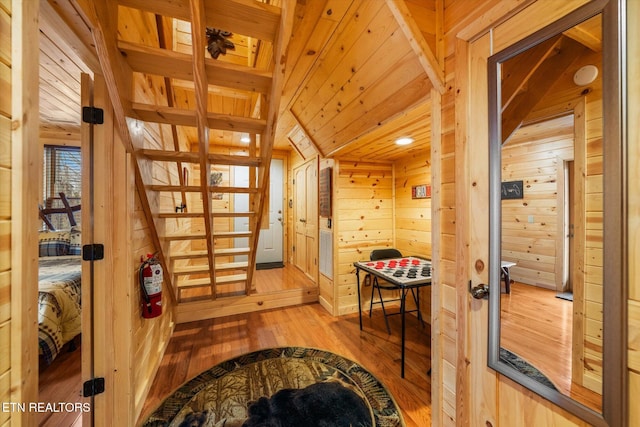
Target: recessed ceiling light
(404,141)
(245,139)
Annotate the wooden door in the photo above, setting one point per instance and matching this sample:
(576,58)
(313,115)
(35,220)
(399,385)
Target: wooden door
(270,243)
(306,218)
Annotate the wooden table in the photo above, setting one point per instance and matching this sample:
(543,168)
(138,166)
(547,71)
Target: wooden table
(389,270)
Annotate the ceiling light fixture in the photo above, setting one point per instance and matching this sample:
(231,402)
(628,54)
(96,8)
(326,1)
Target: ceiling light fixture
(245,139)
(585,75)
(404,140)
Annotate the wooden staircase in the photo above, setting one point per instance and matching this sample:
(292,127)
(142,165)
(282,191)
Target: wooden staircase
(205,254)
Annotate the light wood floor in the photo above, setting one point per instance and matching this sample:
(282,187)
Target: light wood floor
(197,346)
(537,326)
(62,382)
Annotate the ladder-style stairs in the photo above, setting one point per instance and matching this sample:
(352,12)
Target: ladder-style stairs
(190,209)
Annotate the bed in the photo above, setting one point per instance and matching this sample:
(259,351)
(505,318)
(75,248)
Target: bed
(59,294)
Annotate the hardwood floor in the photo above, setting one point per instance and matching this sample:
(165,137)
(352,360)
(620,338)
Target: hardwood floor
(197,346)
(537,326)
(62,382)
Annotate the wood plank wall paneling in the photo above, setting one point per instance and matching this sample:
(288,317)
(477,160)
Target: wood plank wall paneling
(633,155)
(364,213)
(412,217)
(516,406)
(593,247)
(534,155)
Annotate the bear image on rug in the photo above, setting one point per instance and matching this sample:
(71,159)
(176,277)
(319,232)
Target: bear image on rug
(288,386)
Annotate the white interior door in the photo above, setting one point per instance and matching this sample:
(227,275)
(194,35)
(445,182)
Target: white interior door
(270,241)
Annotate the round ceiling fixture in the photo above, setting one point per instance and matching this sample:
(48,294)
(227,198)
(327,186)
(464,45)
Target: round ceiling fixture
(585,75)
(245,139)
(404,140)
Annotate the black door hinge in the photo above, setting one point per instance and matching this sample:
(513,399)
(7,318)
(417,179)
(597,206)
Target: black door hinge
(92,387)
(93,115)
(93,252)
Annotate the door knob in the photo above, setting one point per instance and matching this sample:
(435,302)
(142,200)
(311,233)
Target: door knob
(479,292)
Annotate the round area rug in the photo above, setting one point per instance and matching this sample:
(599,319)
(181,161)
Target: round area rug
(287,386)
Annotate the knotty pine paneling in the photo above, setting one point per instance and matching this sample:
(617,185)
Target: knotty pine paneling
(412,217)
(5,215)
(534,155)
(363,214)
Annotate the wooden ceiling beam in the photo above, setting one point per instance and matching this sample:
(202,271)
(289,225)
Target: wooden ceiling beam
(538,85)
(246,17)
(516,73)
(168,63)
(434,70)
(182,117)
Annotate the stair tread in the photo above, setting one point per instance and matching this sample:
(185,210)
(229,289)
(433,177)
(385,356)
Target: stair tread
(205,281)
(198,189)
(185,236)
(189,255)
(201,215)
(231,251)
(191,269)
(232,234)
(193,157)
(231,265)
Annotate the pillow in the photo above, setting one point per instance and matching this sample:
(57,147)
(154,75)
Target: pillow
(54,243)
(75,245)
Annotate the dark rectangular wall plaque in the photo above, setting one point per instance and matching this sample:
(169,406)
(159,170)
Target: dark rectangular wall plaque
(512,190)
(325,192)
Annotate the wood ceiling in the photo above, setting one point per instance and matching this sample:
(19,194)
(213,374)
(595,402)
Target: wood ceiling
(352,75)
(358,74)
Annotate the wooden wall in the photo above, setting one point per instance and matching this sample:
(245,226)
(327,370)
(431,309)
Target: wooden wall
(412,217)
(363,222)
(5,209)
(466,391)
(151,336)
(534,155)
(633,146)
(19,163)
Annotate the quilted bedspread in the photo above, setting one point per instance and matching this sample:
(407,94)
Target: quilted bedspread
(59,303)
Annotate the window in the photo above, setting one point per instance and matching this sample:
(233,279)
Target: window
(62,174)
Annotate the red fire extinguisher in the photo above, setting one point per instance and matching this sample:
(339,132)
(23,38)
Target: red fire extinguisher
(150,277)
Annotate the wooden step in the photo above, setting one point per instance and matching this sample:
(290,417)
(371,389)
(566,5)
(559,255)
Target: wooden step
(175,188)
(180,215)
(232,266)
(182,117)
(223,234)
(196,189)
(192,157)
(200,214)
(191,269)
(234,278)
(189,255)
(231,251)
(168,63)
(232,214)
(185,237)
(206,282)
(193,283)
(249,18)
